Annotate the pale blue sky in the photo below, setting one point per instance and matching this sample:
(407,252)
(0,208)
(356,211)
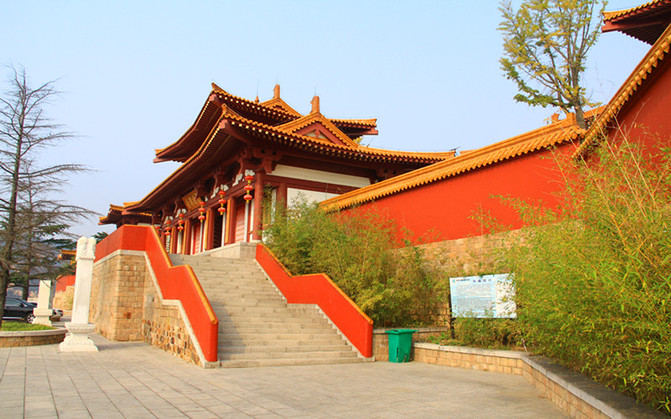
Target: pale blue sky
(134,74)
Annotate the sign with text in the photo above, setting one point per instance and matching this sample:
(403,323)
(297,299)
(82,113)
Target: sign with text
(487,296)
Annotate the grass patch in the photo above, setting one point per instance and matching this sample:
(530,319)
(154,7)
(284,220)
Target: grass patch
(22,327)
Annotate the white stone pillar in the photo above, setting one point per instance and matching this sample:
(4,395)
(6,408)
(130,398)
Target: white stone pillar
(78,340)
(44,303)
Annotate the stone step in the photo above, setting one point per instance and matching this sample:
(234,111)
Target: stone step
(256,340)
(250,349)
(250,363)
(270,333)
(234,295)
(256,325)
(249,327)
(254,318)
(288,355)
(229,325)
(283,335)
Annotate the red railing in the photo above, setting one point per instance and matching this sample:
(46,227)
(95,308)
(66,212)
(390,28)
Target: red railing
(175,282)
(319,289)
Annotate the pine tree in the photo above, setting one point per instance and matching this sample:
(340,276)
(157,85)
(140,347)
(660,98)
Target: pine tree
(29,216)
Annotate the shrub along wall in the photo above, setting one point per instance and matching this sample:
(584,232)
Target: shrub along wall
(593,278)
(357,250)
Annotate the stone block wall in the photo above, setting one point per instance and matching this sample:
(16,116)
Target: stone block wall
(31,338)
(117,295)
(472,255)
(163,326)
(126,306)
(507,362)
(63,299)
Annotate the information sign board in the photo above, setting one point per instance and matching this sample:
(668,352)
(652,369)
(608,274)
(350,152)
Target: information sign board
(487,296)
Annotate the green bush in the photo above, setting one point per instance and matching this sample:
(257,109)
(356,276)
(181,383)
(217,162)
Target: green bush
(360,251)
(593,278)
(488,333)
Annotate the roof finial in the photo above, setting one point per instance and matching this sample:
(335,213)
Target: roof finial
(276,91)
(315,104)
(257,99)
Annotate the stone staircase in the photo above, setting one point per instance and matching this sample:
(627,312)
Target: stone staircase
(256,325)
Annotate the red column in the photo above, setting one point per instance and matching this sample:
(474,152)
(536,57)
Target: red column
(257,222)
(230,221)
(282,196)
(186,239)
(173,239)
(209,228)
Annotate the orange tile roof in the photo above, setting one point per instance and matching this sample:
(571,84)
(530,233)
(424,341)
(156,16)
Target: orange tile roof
(278,103)
(289,113)
(304,121)
(608,16)
(364,123)
(115,212)
(645,22)
(276,134)
(556,133)
(632,85)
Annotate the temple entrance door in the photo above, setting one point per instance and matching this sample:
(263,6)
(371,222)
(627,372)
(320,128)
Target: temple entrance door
(240,221)
(218,233)
(195,241)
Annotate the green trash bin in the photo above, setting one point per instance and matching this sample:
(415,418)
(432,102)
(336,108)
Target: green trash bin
(400,344)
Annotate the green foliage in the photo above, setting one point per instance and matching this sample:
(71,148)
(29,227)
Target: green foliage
(594,277)
(22,327)
(545,45)
(357,249)
(488,333)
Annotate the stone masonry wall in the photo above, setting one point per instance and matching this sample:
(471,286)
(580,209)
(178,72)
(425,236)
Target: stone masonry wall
(117,297)
(31,338)
(163,327)
(472,255)
(125,306)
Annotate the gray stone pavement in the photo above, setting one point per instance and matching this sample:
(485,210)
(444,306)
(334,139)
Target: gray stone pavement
(135,380)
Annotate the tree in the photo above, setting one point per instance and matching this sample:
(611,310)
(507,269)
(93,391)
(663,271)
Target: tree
(29,216)
(545,44)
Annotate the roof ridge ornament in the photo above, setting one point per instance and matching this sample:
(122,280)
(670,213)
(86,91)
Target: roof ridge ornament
(276,91)
(315,104)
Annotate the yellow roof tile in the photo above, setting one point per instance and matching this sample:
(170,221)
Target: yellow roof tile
(620,13)
(647,65)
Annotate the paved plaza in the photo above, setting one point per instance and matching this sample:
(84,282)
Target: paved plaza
(135,380)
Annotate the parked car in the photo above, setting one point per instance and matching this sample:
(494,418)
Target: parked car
(17,308)
(57,315)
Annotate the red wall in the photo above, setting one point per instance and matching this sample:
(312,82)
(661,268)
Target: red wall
(444,210)
(647,117)
(63,282)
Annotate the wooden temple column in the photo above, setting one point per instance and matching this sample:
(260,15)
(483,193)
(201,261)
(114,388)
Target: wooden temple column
(209,228)
(173,239)
(282,196)
(163,237)
(230,221)
(186,239)
(257,222)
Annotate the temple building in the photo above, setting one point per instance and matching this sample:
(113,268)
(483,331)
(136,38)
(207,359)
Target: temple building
(240,154)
